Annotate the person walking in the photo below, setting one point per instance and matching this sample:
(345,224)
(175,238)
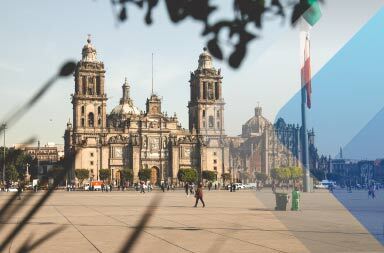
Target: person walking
(19,190)
(186,187)
(142,187)
(191,188)
(162,186)
(199,195)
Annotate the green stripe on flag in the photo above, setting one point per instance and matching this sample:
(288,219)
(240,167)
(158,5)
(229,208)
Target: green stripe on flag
(313,14)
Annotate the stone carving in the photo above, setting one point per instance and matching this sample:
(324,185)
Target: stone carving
(118,139)
(187,152)
(154,144)
(154,124)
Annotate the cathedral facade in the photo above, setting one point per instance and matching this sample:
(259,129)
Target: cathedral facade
(129,138)
(263,146)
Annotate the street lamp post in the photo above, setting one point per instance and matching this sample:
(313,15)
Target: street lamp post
(3,127)
(27,173)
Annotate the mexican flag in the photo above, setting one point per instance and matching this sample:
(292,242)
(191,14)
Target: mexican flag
(306,71)
(310,17)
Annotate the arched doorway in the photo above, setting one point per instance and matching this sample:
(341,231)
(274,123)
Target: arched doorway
(118,177)
(154,175)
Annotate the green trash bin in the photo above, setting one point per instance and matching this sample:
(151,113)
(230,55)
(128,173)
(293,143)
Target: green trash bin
(281,201)
(295,200)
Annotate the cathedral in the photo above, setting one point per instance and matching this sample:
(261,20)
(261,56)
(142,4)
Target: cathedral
(129,138)
(263,146)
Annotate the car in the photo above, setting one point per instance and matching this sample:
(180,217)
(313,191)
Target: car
(320,186)
(239,186)
(325,184)
(250,185)
(12,189)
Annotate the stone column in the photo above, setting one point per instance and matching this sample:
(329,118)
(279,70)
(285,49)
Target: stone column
(135,162)
(175,162)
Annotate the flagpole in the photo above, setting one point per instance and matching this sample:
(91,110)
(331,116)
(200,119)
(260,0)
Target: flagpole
(304,135)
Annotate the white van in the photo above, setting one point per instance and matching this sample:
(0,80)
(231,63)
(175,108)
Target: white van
(325,184)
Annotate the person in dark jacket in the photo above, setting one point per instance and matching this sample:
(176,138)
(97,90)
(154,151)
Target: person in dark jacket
(199,195)
(19,190)
(186,187)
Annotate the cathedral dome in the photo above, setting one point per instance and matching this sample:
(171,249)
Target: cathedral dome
(125,109)
(256,124)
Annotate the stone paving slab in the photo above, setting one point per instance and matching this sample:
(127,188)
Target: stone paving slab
(243,221)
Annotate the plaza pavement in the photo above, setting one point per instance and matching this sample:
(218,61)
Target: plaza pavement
(243,221)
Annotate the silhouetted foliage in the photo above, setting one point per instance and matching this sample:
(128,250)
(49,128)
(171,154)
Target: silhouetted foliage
(55,172)
(104,174)
(145,174)
(187,175)
(262,177)
(82,174)
(296,174)
(126,175)
(209,175)
(282,174)
(11,174)
(247,21)
(226,177)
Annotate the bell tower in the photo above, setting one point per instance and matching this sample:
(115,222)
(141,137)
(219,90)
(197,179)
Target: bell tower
(89,100)
(206,116)
(206,105)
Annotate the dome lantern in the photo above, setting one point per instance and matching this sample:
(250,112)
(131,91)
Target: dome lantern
(205,60)
(89,51)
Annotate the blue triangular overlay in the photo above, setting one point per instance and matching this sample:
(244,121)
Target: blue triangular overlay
(347,110)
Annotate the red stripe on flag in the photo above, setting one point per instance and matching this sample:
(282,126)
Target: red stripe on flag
(306,75)
(307,80)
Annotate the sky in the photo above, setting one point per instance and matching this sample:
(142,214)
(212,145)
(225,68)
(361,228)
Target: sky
(38,36)
(347,108)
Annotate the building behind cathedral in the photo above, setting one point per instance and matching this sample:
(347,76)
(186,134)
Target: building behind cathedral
(129,138)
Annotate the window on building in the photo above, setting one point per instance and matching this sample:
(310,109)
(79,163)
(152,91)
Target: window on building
(215,161)
(91,85)
(82,110)
(84,85)
(217,93)
(218,124)
(211,122)
(99,110)
(203,113)
(90,119)
(91,154)
(99,122)
(91,162)
(82,122)
(218,113)
(210,91)
(214,153)
(215,168)
(204,90)
(98,90)
(204,124)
